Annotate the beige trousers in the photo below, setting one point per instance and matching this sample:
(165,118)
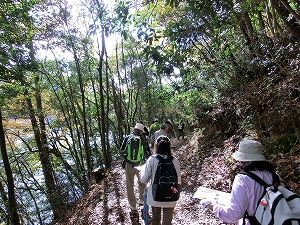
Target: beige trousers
(131,172)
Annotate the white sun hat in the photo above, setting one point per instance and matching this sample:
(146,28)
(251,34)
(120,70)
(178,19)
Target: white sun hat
(249,150)
(139,126)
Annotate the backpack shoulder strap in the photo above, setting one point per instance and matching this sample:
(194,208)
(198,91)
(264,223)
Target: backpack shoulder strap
(160,158)
(276,180)
(129,137)
(256,178)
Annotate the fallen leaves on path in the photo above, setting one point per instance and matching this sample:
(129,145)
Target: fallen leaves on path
(203,163)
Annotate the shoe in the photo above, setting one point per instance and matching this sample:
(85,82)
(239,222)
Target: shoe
(140,202)
(134,217)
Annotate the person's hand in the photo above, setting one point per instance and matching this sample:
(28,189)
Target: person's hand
(174,190)
(204,203)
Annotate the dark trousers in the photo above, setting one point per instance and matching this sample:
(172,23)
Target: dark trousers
(167,215)
(180,134)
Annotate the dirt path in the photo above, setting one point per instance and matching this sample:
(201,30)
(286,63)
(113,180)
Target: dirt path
(106,202)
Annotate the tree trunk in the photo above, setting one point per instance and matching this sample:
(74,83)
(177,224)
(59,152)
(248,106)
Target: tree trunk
(87,148)
(297,4)
(12,203)
(102,107)
(108,155)
(118,101)
(55,200)
(118,111)
(70,147)
(290,23)
(243,29)
(290,9)
(28,189)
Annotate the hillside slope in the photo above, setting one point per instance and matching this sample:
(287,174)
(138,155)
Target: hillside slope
(203,163)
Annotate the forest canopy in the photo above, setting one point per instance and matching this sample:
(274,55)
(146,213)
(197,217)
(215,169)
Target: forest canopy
(76,76)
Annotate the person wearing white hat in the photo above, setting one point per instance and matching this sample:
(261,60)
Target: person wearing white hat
(130,167)
(245,192)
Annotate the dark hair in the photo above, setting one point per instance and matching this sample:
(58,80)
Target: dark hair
(258,165)
(163,145)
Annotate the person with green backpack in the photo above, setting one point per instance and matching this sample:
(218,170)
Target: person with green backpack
(135,150)
(154,127)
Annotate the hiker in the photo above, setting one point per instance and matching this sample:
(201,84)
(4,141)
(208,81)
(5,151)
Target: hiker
(130,169)
(154,127)
(161,131)
(181,130)
(169,128)
(163,148)
(246,192)
(146,131)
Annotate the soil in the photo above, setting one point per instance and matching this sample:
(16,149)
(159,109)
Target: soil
(203,163)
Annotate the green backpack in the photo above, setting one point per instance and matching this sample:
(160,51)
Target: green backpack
(134,149)
(154,127)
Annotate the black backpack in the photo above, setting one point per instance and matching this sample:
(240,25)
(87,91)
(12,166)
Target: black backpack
(165,181)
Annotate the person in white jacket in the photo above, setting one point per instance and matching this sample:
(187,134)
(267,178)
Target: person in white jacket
(163,148)
(245,192)
(161,131)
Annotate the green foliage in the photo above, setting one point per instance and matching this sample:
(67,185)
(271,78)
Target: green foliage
(283,144)
(192,60)
(9,89)
(15,36)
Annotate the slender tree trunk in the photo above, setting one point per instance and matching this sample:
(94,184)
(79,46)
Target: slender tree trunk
(275,24)
(102,100)
(3,211)
(117,96)
(87,148)
(290,9)
(28,189)
(108,155)
(243,29)
(269,23)
(84,133)
(12,203)
(118,111)
(55,200)
(297,4)
(249,27)
(261,22)
(71,148)
(290,23)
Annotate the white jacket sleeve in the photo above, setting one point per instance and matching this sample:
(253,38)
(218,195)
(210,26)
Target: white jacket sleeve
(146,174)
